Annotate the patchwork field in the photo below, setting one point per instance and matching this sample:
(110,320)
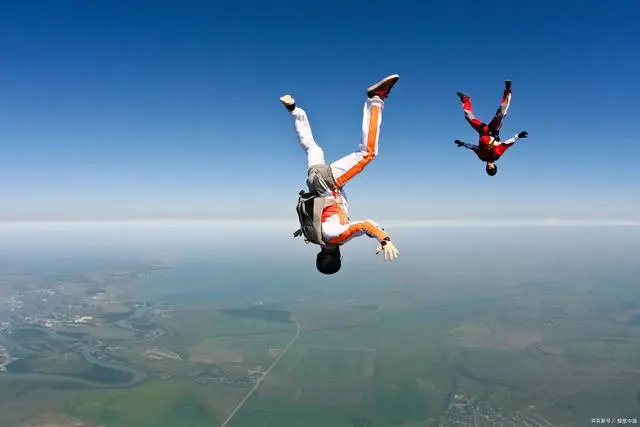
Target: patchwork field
(525,344)
(343,376)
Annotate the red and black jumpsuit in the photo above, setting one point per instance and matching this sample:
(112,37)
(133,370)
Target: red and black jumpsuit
(489,148)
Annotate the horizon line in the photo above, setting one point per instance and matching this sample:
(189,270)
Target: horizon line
(428,223)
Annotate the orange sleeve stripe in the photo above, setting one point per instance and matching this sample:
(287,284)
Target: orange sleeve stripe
(346,235)
(372,136)
(359,228)
(374,231)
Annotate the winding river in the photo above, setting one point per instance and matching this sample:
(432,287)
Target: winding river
(103,372)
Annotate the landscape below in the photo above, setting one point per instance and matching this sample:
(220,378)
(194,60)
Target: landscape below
(80,346)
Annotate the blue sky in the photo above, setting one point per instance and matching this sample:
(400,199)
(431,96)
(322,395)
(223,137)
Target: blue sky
(145,109)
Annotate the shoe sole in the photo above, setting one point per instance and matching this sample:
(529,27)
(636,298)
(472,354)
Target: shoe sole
(288,102)
(382,82)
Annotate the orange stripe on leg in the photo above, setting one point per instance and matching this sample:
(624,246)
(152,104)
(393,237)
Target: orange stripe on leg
(372,137)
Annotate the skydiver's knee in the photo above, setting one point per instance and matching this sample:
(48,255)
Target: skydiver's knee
(368,156)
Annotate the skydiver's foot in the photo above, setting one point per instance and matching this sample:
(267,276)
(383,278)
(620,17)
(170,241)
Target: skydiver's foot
(462,96)
(507,85)
(288,102)
(382,89)
(459,143)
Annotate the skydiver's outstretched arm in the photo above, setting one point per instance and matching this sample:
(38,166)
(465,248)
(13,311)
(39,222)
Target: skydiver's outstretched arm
(503,146)
(509,141)
(471,147)
(337,234)
(515,137)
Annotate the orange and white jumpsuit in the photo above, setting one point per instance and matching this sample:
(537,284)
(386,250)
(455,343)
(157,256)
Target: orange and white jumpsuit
(337,228)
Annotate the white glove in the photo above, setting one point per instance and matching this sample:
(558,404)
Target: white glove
(389,250)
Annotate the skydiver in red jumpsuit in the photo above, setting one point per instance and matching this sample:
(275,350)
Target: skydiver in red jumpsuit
(490,148)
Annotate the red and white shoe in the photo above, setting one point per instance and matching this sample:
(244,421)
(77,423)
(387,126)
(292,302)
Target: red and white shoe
(383,87)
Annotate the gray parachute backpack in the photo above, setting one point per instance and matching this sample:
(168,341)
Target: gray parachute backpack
(311,204)
(310,207)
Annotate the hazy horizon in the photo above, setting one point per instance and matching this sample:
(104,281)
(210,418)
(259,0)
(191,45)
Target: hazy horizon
(497,222)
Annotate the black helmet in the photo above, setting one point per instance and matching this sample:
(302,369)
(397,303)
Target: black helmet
(329,262)
(492,170)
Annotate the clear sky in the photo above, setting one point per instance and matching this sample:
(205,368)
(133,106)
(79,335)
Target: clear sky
(123,109)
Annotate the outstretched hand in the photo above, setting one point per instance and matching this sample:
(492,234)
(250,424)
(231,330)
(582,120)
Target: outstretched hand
(523,134)
(507,84)
(459,143)
(389,250)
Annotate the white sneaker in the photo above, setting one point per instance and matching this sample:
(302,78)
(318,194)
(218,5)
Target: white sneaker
(288,101)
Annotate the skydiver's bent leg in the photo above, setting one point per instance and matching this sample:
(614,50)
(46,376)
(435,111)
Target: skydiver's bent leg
(349,166)
(315,155)
(501,112)
(468,113)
